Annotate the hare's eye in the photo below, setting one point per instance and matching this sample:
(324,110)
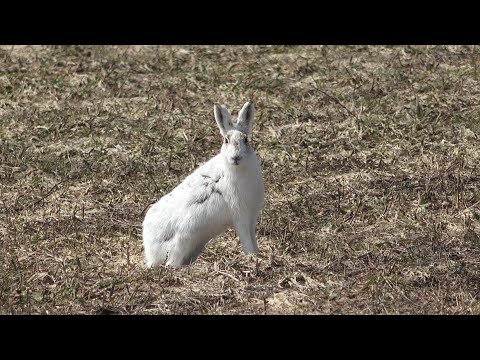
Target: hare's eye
(246,140)
(226,140)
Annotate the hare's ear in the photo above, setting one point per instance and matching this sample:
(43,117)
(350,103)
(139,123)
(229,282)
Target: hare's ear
(245,118)
(223,118)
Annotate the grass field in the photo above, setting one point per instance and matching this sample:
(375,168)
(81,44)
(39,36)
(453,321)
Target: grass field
(370,159)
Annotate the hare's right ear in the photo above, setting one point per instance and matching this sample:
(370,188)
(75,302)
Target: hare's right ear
(223,118)
(245,118)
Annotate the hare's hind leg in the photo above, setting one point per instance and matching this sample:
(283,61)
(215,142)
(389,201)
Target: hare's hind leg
(155,254)
(185,251)
(157,244)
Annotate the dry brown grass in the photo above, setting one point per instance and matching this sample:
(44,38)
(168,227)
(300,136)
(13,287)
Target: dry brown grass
(370,156)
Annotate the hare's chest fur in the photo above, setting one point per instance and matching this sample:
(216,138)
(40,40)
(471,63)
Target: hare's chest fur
(243,188)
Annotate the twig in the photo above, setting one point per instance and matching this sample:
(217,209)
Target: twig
(338,102)
(146,207)
(396,289)
(49,192)
(226,274)
(465,210)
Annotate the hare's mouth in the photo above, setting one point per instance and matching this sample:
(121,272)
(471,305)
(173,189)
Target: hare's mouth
(236,160)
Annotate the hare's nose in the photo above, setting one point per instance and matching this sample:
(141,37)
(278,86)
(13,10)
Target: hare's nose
(236,159)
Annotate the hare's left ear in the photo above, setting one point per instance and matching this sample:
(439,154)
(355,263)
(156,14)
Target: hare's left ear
(245,118)
(223,118)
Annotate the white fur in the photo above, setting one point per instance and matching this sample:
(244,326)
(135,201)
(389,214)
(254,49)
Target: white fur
(227,191)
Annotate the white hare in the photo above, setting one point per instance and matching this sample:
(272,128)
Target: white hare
(227,191)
